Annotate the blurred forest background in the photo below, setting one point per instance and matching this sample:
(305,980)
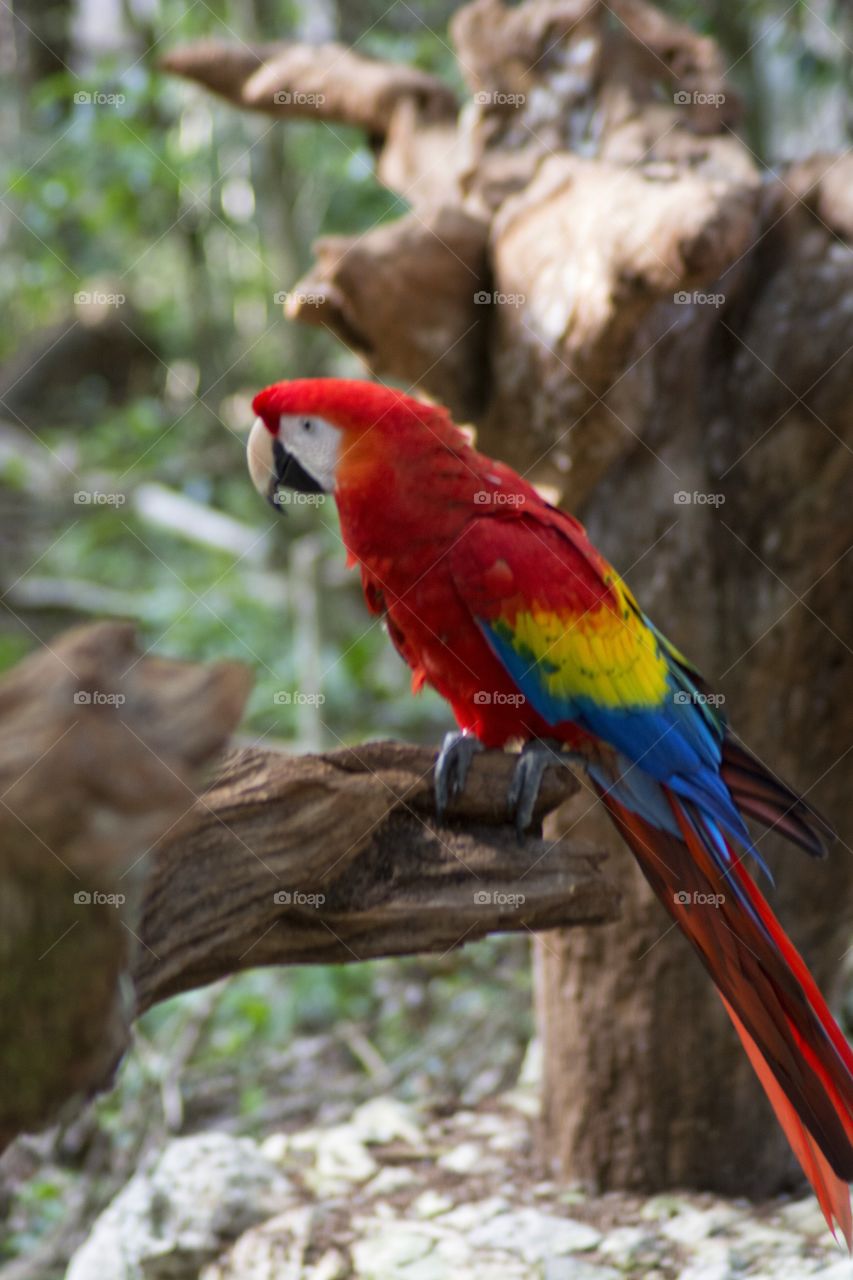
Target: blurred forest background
(149,234)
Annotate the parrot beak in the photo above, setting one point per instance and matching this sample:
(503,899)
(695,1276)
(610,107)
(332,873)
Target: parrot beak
(260,456)
(272,467)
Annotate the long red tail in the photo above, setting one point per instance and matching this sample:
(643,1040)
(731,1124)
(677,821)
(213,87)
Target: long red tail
(795,1046)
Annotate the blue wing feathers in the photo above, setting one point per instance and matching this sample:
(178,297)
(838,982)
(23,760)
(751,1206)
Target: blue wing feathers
(677,743)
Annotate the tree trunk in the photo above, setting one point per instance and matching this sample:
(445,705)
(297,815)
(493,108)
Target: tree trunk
(665,334)
(646,1083)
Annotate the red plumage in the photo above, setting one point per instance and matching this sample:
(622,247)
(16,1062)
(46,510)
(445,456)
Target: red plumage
(464,582)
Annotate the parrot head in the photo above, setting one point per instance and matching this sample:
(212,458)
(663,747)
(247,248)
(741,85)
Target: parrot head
(338,436)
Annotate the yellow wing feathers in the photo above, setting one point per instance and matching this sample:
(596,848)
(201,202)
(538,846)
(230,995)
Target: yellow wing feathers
(607,654)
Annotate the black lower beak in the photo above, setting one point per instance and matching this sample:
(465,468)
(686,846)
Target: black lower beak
(289,474)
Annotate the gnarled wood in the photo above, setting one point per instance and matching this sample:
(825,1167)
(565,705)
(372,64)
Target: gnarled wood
(363,287)
(338,858)
(123,879)
(321,82)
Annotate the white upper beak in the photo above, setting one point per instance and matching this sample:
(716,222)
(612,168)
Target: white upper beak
(259,455)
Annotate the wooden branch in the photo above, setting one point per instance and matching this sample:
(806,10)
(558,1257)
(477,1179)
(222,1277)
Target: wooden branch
(824,183)
(122,883)
(321,82)
(338,858)
(366,289)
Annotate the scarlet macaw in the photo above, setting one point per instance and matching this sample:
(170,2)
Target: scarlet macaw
(500,602)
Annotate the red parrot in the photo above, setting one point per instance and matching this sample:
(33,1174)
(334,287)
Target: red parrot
(499,601)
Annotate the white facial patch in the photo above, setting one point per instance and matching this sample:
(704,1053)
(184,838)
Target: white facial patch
(314,443)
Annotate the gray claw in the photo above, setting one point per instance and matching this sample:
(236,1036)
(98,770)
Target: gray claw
(527,778)
(451,767)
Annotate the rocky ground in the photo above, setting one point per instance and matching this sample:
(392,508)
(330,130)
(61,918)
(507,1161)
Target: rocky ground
(401,1192)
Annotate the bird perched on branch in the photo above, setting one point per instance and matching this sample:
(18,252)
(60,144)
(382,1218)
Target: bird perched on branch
(499,601)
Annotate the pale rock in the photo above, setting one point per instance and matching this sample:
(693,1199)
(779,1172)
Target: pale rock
(390,1179)
(758,1240)
(804,1216)
(578,1269)
(714,1262)
(511,1139)
(340,1159)
(276,1147)
(390,1248)
(664,1206)
(383,1212)
(501,1268)
(841,1269)
(275,1247)
(387,1120)
(455,1249)
(474,1213)
(625,1245)
(468,1157)
(171,1219)
(794,1269)
(430,1204)
(333,1265)
(432,1267)
(691,1225)
(535,1235)
(487,1124)
(464,1119)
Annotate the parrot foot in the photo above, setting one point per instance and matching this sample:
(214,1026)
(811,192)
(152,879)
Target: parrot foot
(451,768)
(534,759)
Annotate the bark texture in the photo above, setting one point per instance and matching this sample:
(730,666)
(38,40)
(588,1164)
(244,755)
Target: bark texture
(663,331)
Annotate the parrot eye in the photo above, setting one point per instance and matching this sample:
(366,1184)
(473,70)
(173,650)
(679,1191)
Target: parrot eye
(307,424)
